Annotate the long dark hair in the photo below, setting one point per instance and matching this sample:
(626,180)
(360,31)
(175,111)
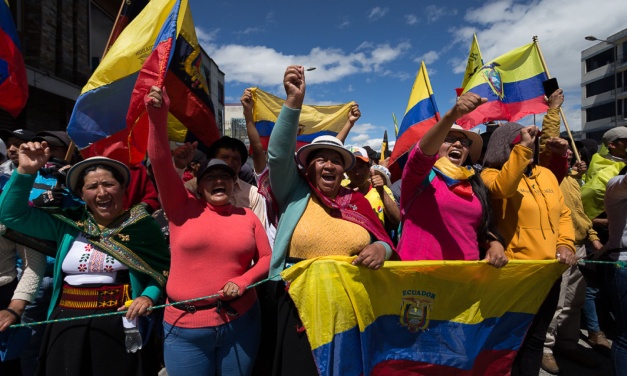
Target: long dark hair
(487,229)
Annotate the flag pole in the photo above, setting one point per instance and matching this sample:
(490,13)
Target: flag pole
(546,69)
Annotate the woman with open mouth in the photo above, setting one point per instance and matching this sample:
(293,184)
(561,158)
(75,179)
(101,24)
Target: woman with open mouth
(216,247)
(447,214)
(106,256)
(319,218)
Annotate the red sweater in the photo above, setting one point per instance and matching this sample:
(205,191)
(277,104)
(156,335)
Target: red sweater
(209,245)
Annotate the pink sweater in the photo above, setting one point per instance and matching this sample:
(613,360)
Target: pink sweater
(209,245)
(439,224)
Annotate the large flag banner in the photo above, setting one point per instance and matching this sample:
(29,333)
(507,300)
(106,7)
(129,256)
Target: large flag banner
(512,83)
(314,120)
(159,47)
(13,80)
(421,114)
(475,61)
(129,10)
(418,317)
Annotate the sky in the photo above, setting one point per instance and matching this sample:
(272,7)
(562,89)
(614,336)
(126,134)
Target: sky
(370,51)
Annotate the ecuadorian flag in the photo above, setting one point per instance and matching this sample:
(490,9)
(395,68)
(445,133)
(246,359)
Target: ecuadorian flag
(159,47)
(419,317)
(512,83)
(421,114)
(13,81)
(314,120)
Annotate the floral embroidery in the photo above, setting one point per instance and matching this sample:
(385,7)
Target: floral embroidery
(109,260)
(89,247)
(84,257)
(82,268)
(108,269)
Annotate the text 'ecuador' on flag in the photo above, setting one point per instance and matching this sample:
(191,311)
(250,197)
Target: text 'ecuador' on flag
(13,81)
(421,114)
(314,121)
(418,317)
(512,83)
(158,47)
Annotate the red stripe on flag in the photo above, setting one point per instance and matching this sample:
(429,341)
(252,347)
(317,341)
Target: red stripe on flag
(195,114)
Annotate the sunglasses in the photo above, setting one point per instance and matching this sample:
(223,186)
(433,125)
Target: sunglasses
(466,142)
(518,138)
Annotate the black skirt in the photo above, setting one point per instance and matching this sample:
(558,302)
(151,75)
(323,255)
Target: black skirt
(93,346)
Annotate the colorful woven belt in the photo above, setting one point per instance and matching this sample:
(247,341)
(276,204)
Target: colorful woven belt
(108,296)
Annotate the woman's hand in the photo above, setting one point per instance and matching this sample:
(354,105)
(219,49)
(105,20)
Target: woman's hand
(6,319)
(372,256)
(565,255)
(231,291)
(528,136)
(294,83)
(32,156)
(184,154)
(140,307)
(157,98)
(466,104)
(495,255)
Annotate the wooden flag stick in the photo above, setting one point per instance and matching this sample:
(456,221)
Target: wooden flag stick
(570,135)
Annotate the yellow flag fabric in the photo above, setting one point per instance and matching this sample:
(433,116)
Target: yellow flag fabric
(475,61)
(430,314)
(314,120)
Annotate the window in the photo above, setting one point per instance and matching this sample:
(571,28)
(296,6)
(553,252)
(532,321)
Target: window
(604,85)
(221,93)
(99,29)
(601,112)
(602,59)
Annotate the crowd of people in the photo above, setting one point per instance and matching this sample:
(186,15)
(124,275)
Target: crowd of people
(92,237)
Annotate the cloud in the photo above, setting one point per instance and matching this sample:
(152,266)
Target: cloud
(250,30)
(429,58)
(434,13)
(411,19)
(344,24)
(377,13)
(206,38)
(332,64)
(506,24)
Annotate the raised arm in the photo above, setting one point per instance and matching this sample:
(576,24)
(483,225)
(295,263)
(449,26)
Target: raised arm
(15,211)
(170,186)
(503,183)
(423,156)
(353,115)
(282,145)
(259,155)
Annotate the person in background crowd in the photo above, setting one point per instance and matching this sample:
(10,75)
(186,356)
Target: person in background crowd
(616,277)
(445,205)
(531,216)
(217,336)
(101,247)
(319,217)
(374,183)
(563,333)
(14,295)
(13,140)
(603,166)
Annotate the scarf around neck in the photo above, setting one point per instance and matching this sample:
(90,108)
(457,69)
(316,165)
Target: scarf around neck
(455,177)
(131,238)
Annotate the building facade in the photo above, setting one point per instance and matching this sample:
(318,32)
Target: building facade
(62,44)
(234,122)
(603,86)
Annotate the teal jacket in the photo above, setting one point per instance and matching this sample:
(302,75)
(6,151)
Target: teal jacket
(16,214)
(289,188)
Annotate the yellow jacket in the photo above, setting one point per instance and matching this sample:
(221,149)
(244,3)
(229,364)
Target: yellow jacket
(582,224)
(529,211)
